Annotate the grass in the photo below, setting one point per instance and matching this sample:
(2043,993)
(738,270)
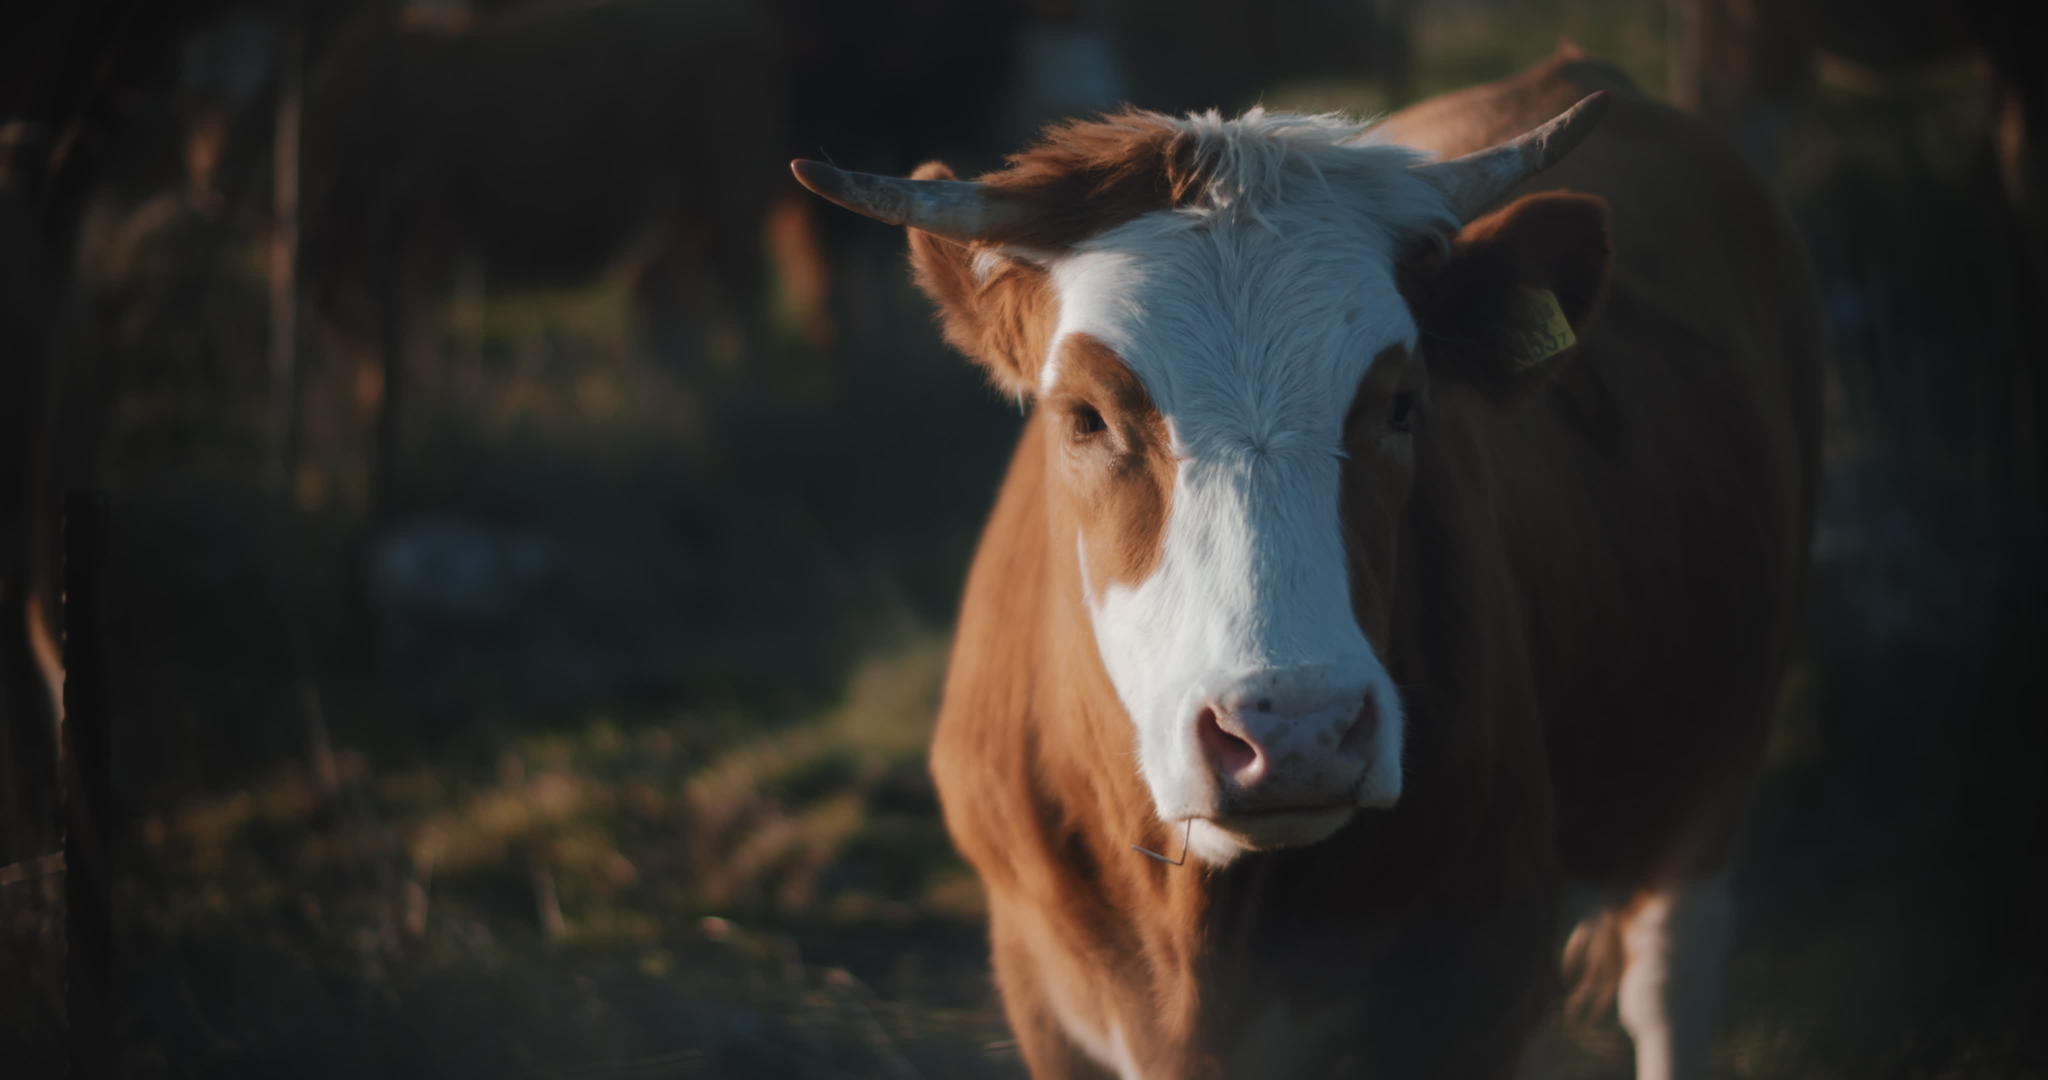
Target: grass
(644,896)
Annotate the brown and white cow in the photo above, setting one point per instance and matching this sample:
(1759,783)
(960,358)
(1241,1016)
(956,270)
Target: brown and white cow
(1330,569)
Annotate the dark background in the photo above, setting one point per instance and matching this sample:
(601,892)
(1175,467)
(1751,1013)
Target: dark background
(531,527)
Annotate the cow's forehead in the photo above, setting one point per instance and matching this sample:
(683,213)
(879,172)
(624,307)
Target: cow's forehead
(1246,333)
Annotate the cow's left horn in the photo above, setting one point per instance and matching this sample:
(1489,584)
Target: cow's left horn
(955,209)
(1478,180)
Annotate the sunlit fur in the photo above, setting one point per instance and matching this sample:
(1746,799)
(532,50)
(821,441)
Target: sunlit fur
(1676,942)
(1250,315)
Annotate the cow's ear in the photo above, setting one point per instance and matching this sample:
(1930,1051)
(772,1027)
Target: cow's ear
(992,306)
(1504,305)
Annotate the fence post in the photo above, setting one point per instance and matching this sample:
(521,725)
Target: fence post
(90,827)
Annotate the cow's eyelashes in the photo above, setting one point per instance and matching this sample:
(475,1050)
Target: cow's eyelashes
(1401,411)
(1085,422)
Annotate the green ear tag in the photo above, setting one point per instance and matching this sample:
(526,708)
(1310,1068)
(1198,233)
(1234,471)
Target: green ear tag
(1538,329)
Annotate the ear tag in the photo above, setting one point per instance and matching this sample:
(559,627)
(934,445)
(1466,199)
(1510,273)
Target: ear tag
(1538,329)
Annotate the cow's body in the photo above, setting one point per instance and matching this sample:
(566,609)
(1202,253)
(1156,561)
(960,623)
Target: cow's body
(1657,504)
(1592,590)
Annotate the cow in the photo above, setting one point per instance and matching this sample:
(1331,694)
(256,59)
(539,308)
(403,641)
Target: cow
(1407,538)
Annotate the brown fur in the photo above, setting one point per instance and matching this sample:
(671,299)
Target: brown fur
(1375,493)
(1586,592)
(1081,178)
(1002,320)
(1118,481)
(1594,959)
(1085,176)
(1462,298)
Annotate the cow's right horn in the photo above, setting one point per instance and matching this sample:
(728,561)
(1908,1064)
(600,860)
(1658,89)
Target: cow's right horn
(955,209)
(1478,180)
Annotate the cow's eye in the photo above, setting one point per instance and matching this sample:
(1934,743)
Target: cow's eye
(1401,414)
(1087,423)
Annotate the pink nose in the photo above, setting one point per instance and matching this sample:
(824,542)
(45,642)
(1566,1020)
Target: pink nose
(1271,751)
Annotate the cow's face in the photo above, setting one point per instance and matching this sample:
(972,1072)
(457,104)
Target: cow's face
(1210,384)
(1231,389)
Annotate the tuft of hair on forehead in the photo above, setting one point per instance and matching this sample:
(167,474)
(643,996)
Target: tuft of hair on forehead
(1084,177)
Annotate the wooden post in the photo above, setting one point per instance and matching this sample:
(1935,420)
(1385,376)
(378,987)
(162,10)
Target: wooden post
(91,829)
(283,261)
(389,259)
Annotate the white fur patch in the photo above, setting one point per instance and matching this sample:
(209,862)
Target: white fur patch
(985,264)
(1250,317)
(1676,943)
(1098,1034)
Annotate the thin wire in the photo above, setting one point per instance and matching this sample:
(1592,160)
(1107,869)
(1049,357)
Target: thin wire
(1182,861)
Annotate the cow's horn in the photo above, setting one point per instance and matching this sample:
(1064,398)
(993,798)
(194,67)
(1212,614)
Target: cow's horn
(955,209)
(1478,180)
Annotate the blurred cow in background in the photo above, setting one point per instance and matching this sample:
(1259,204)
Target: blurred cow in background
(484,146)
(543,145)
(1742,64)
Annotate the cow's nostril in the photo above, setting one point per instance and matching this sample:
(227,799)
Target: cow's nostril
(1230,754)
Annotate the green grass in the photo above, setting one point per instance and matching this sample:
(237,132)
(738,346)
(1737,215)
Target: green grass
(593,862)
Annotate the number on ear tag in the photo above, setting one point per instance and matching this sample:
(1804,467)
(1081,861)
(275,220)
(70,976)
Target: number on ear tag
(1538,329)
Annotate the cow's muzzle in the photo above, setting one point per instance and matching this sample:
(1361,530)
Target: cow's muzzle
(1281,745)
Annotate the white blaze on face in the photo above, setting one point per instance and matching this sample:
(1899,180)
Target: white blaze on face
(1250,326)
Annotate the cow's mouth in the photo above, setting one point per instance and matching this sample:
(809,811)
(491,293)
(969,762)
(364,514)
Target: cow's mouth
(1271,830)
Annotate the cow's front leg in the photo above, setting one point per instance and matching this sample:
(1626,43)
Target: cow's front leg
(1050,1049)
(1675,941)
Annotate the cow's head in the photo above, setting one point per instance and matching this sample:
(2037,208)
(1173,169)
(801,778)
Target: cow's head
(1225,325)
